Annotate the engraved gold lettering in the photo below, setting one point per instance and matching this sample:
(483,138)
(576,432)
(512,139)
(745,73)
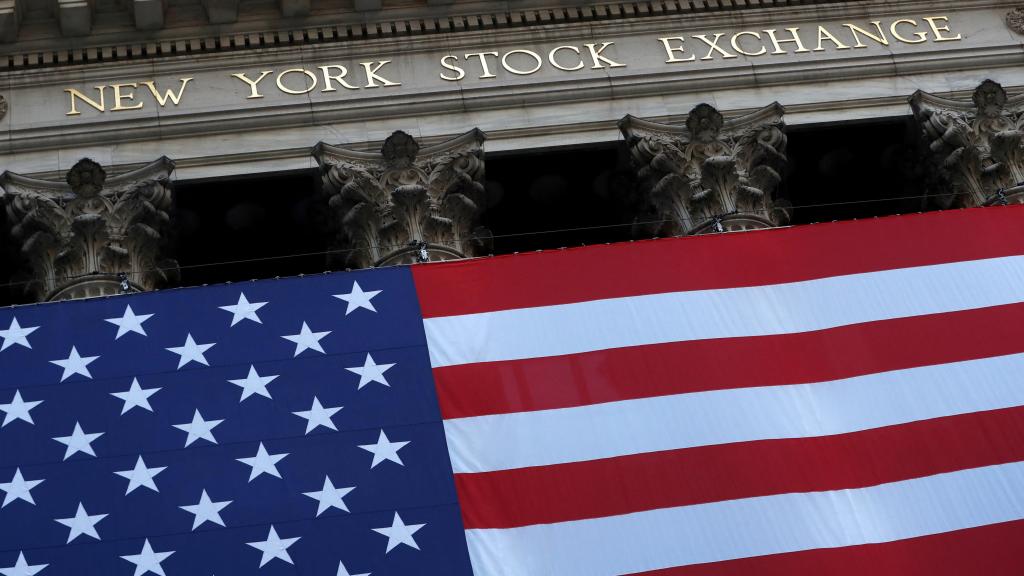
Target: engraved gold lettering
(921,36)
(735,41)
(536,57)
(857,31)
(309,88)
(554,62)
(595,55)
(714,47)
(938,30)
(483,63)
(823,35)
(129,95)
(253,84)
(75,94)
(162,98)
(670,50)
(330,79)
(795,33)
(459,72)
(372,77)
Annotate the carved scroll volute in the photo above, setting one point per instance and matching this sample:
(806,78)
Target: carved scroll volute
(713,174)
(406,202)
(80,236)
(975,144)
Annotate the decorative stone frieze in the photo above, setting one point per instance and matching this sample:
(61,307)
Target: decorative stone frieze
(977,145)
(1015,20)
(407,204)
(91,235)
(711,174)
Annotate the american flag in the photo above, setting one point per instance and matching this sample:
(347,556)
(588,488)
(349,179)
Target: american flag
(275,427)
(835,399)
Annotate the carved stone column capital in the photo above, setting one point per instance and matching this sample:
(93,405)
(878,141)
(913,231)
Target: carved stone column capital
(90,235)
(406,204)
(713,174)
(977,145)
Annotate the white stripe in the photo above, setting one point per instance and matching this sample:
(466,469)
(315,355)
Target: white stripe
(752,311)
(546,437)
(753,527)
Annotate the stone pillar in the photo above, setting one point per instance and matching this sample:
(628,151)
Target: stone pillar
(91,235)
(976,145)
(712,174)
(405,204)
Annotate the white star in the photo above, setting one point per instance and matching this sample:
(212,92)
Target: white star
(147,560)
(384,449)
(21,568)
(307,340)
(358,299)
(206,510)
(136,397)
(274,547)
(399,533)
(141,476)
(75,364)
(78,441)
(263,463)
(342,571)
(18,409)
(15,334)
(82,523)
(254,384)
(18,489)
(199,428)
(317,415)
(191,352)
(129,322)
(370,372)
(244,310)
(330,497)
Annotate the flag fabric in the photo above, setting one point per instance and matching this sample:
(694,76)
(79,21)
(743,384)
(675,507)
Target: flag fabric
(830,399)
(837,399)
(274,427)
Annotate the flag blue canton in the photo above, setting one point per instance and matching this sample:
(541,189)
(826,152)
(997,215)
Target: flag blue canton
(274,427)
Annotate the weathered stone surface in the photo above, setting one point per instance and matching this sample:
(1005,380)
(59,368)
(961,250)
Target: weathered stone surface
(367,5)
(1015,20)
(149,14)
(10,19)
(405,204)
(90,235)
(75,16)
(221,11)
(977,145)
(295,8)
(711,175)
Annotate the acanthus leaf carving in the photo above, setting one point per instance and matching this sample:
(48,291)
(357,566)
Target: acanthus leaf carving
(388,206)
(976,145)
(78,236)
(712,174)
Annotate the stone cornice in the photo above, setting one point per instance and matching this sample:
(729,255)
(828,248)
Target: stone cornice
(114,38)
(535,112)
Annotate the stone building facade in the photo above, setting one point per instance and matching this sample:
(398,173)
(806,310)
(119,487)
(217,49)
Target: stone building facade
(388,114)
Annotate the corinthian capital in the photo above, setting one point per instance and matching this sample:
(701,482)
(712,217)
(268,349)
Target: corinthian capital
(975,144)
(404,204)
(91,235)
(713,174)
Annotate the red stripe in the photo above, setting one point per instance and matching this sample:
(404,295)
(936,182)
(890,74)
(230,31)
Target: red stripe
(700,365)
(995,550)
(613,486)
(718,261)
